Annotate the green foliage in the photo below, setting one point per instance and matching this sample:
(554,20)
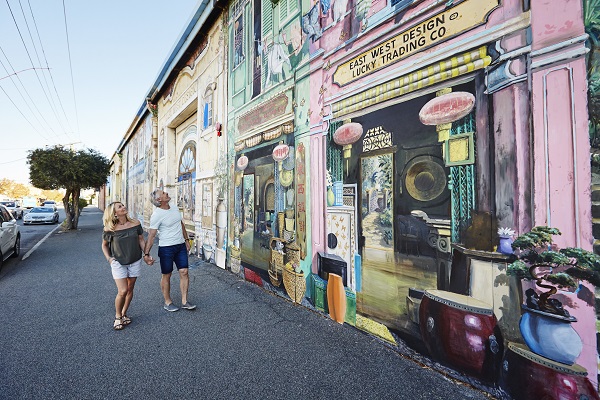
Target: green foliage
(61,168)
(535,249)
(385,218)
(82,203)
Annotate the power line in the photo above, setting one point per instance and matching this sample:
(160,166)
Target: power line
(23,97)
(19,110)
(71,70)
(31,61)
(10,162)
(46,60)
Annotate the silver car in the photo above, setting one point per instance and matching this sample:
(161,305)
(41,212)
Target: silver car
(14,206)
(10,237)
(41,215)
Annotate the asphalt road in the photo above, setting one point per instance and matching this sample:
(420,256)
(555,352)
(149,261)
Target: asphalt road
(57,340)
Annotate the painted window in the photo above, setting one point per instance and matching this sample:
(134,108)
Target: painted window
(207,111)
(238,32)
(287,9)
(161,144)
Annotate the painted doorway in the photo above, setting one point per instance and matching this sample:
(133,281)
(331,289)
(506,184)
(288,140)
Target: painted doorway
(377,185)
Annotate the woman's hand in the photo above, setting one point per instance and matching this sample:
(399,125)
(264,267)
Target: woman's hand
(148,259)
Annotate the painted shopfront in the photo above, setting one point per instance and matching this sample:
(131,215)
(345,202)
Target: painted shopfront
(443,123)
(268,104)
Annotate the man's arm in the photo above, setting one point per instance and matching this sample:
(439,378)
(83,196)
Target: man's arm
(150,241)
(185,236)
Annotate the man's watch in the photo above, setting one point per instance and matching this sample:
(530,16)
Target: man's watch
(146,254)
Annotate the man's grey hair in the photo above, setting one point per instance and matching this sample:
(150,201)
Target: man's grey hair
(154,197)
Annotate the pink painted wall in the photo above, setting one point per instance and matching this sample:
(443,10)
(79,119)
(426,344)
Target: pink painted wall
(561,167)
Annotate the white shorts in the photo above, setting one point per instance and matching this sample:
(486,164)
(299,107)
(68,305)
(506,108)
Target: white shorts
(126,271)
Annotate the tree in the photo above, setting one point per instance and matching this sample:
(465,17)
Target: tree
(61,168)
(13,189)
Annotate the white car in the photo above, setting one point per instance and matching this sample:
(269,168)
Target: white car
(14,206)
(10,237)
(41,215)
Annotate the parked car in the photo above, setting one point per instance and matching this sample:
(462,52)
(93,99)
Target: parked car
(10,237)
(29,202)
(49,204)
(14,206)
(41,215)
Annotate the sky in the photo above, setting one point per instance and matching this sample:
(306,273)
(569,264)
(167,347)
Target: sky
(78,83)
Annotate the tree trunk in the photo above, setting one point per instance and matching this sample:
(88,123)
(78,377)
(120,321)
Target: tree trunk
(68,218)
(76,194)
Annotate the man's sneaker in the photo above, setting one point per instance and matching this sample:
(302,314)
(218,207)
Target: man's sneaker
(188,306)
(170,307)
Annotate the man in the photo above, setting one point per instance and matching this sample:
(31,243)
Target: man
(174,247)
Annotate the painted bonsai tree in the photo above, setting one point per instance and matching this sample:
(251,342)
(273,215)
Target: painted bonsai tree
(539,259)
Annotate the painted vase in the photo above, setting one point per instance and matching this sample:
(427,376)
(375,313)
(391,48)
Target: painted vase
(505,245)
(330,197)
(221,223)
(551,336)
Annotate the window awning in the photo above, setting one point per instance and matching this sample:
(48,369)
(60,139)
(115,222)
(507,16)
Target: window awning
(435,73)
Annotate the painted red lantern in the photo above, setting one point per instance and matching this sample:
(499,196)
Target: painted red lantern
(280,152)
(447,108)
(242,162)
(346,135)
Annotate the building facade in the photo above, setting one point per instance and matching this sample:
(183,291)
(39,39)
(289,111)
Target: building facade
(360,158)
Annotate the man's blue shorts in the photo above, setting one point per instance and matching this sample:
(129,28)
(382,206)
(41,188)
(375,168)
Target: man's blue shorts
(169,254)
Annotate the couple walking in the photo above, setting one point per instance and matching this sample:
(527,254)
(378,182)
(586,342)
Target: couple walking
(123,245)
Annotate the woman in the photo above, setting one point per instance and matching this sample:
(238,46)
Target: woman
(122,245)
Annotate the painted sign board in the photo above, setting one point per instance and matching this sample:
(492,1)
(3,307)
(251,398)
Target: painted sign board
(443,26)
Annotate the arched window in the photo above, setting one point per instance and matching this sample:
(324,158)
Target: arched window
(186,180)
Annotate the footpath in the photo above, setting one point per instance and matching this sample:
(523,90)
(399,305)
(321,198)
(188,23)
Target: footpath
(241,342)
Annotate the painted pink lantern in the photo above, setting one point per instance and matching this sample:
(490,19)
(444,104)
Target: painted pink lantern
(447,108)
(242,162)
(346,135)
(280,152)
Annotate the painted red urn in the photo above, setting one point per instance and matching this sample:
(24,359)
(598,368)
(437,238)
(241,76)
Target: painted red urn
(447,108)
(346,135)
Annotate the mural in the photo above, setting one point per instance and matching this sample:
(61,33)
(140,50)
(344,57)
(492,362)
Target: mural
(439,130)
(186,181)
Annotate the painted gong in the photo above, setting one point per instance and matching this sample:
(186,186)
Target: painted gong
(425,178)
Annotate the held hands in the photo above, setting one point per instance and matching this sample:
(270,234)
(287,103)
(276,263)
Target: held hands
(149,260)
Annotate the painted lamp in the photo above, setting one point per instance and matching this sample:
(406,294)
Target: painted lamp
(447,108)
(346,135)
(280,153)
(242,162)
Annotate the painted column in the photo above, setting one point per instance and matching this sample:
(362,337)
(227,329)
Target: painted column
(560,156)
(317,197)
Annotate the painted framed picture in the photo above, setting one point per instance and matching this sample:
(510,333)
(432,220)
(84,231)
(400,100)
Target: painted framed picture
(459,150)
(207,214)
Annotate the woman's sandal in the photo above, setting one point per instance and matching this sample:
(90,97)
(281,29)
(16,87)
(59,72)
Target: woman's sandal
(125,320)
(118,324)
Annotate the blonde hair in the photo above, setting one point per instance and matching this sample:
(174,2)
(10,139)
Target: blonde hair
(109,219)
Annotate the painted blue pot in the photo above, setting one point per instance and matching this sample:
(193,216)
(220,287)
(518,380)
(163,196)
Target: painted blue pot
(551,336)
(504,246)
